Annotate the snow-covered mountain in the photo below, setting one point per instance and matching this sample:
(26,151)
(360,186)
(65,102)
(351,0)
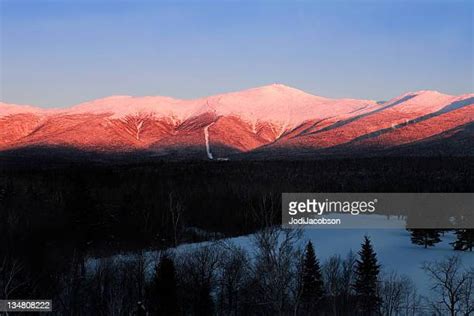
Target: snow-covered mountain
(269,121)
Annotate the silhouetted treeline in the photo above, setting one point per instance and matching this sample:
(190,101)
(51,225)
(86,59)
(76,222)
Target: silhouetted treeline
(51,217)
(167,202)
(277,276)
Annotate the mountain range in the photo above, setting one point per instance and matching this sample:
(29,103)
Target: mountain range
(269,122)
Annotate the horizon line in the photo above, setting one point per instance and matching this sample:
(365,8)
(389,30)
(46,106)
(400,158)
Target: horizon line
(275,84)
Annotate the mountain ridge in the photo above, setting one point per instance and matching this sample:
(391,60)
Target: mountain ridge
(263,118)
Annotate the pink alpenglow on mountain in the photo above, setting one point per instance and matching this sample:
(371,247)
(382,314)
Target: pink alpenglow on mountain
(270,121)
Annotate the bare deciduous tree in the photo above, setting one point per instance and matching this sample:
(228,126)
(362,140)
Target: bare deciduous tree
(10,280)
(197,271)
(467,297)
(452,284)
(232,279)
(393,291)
(339,277)
(264,212)
(278,255)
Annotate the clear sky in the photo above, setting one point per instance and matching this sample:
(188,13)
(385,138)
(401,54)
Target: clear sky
(59,53)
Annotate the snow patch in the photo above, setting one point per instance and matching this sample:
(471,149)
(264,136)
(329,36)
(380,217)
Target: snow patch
(206,139)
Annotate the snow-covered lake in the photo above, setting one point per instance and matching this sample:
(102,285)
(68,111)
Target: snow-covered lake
(394,249)
(393,246)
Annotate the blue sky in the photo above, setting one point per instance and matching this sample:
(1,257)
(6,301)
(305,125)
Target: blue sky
(59,53)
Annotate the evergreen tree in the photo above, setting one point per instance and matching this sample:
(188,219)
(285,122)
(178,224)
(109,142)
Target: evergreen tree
(165,287)
(465,239)
(367,270)
(312,281)
(425,237)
